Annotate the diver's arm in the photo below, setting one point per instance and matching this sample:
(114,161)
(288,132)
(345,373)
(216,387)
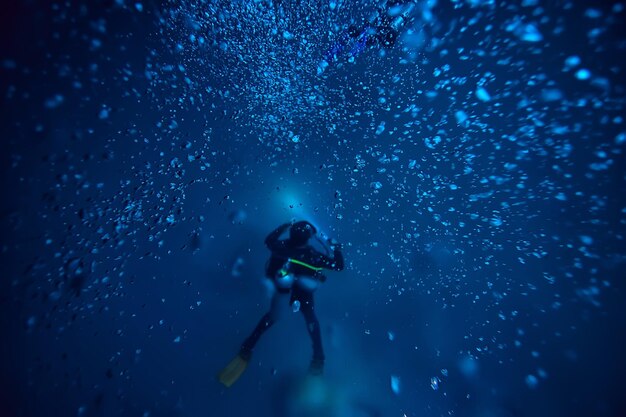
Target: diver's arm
(338,258)
(272,240)
(335,263)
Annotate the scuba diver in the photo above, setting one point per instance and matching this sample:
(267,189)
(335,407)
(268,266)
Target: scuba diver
(381,30)
(295,269)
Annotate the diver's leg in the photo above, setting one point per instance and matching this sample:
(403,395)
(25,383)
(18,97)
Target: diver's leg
(313,327)
(246,347)
(279,300)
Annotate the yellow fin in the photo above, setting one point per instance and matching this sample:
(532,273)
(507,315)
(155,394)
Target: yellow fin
(229,375)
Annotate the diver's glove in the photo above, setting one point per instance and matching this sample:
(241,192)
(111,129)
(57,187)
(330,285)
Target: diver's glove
(334,244)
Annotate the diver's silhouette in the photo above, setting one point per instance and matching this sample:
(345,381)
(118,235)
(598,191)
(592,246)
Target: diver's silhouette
(380,31)
(295,269)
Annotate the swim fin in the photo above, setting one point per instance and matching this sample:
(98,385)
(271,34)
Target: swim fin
(229,375)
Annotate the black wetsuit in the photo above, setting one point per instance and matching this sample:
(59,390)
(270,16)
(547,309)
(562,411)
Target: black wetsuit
(282,250)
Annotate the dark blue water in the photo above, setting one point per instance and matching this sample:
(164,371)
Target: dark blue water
(474,172)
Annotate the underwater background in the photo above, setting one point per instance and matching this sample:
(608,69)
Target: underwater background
(474,173)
